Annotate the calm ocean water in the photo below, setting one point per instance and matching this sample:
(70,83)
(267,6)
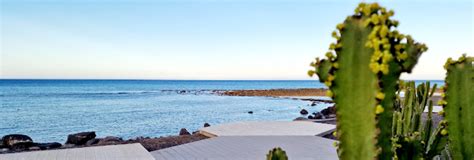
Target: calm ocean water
(49,110)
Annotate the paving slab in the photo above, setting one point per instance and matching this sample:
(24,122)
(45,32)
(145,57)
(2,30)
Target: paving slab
(112,152)
(250,148)
(268,128)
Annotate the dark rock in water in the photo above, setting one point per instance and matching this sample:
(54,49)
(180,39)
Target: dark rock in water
(329,110)
(182,91)
(53,145)
(310,117)
(183,131)
(110,140)
(21,146)
(313,104)
(300,119)
(304,112)
(12,139)
(318,115)
(250,112)
(80,138)
(92,142)
(207,125)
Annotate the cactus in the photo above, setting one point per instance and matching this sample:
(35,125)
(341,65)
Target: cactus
(458,106)
(412,138)
(362,71)
(277,154)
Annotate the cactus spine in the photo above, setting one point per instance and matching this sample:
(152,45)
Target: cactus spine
(277,154)
(458,105)
(362,71)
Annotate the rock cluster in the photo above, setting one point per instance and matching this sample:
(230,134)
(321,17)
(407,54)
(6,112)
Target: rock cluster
(329,112)
(20,142)
(80,138)
(184,131)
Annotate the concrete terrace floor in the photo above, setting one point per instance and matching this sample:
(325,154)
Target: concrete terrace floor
(251,148)
(234,141)
(113,152)
(253,140)
(268,128)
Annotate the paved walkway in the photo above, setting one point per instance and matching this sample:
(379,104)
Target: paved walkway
(113,152)
(251,148)
(268,128)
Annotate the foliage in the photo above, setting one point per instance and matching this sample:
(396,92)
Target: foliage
(412,138)
(277,154)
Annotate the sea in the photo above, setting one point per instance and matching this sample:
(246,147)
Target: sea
(49,110)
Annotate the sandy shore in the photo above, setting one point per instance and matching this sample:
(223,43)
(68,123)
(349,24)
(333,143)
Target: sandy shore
(296,93)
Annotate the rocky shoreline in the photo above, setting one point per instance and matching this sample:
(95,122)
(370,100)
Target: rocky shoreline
(276,92)
(14,143)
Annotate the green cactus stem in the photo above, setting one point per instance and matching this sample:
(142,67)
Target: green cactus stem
(458,105)
(362,70)
(277,154)
(414,138)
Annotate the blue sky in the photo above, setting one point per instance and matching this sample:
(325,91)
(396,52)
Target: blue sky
(186,39)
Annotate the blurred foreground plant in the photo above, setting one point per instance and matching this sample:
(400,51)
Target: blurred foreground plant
(362,71)
(458,105)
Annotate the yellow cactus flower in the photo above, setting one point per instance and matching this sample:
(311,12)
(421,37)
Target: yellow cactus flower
(387,57)
(332,46)
(335,35)
(328,83)
(383,31)
(374,67)
(335,65)
(391,13)
(331,77)
(441,113)
(402,56)
(375,6)
(398,47)
(367,22)
(367,10)
(379,109)
(380,96)
(375,19)
(340,26)
(329,93)
(444,132)
(329,55)
(442,102)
